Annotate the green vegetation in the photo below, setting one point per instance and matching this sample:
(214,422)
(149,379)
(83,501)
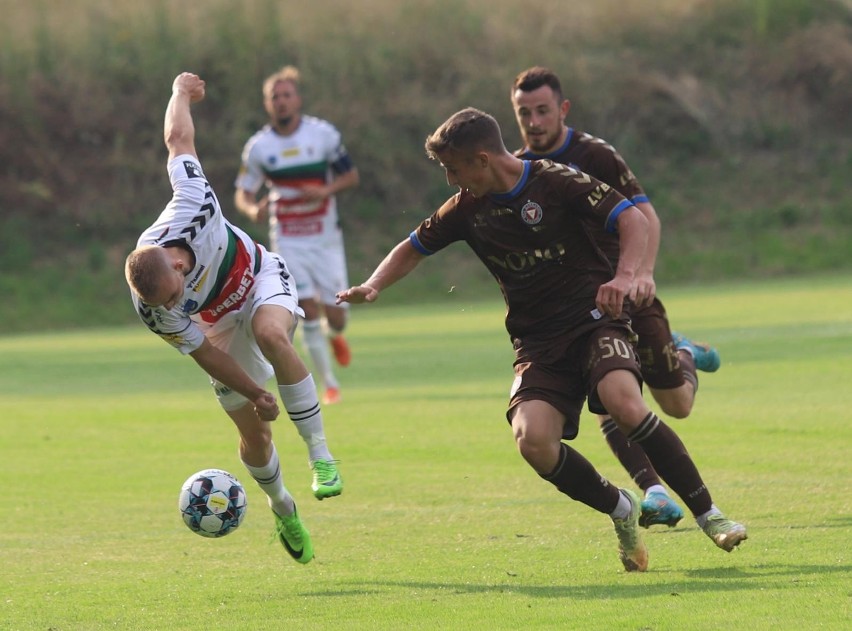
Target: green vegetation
(441,525)
(733,113)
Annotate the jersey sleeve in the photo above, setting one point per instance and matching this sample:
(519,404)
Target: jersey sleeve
(189,186)
(338,157)
(250,176)
(596,200)
(611,167)
(175,328)
(439,230)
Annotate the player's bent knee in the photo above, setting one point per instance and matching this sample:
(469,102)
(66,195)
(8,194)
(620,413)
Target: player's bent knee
(272,339)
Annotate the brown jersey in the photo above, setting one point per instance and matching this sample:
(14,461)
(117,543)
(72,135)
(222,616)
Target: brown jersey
(599,159)
(542,243)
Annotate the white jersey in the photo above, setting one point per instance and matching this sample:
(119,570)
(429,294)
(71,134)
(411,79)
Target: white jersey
(226,259)
(310,155)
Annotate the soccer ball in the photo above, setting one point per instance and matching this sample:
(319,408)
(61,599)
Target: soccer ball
(212,503)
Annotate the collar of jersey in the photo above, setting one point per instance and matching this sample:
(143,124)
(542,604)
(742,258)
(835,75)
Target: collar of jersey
(522,182)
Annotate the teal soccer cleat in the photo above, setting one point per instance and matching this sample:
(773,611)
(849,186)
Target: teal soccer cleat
(659,508)
(706,357)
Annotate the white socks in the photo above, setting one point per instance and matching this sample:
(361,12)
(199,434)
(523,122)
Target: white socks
(623,508)
(302,405)
(269,479)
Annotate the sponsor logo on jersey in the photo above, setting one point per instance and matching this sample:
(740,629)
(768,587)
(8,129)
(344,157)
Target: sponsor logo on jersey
(192,169)
(598,194)
(198,279)
(531,213)
(238,283)
(290,152)
(526,261)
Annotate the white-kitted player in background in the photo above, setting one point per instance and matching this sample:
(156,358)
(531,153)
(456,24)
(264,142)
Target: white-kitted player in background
(303,163)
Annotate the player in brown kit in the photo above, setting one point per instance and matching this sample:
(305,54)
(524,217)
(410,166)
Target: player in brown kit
(538,226)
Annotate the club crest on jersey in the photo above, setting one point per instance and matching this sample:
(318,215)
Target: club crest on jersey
(192,169)
(531,213)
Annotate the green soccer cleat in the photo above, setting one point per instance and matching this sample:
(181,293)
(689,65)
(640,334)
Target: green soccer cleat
(725,533)
(659,508)
(706,357)
(327,481)
(293,535)
(631,548)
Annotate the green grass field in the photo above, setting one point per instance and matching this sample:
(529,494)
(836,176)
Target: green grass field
(441,525)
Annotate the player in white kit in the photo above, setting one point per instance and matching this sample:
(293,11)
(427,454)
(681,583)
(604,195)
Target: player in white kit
(210,291)
(302,161)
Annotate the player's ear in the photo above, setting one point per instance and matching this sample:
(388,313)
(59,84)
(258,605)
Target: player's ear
(482,159)
(565,108)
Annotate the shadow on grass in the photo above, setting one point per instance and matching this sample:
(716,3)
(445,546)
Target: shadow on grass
(706,580)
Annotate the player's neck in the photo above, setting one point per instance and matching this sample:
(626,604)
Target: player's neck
(509,173)
(288,128)
(182,255)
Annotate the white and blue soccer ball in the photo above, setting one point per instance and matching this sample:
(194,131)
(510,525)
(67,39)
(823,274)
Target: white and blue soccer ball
(212,503)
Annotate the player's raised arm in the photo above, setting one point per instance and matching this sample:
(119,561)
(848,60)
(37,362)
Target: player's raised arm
(396,265)
(178,128)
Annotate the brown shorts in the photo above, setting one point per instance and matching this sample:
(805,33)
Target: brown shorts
(565,377)
(657,354)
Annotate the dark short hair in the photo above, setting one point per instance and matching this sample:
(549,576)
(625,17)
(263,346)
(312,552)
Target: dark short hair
(466,131)
(536,77)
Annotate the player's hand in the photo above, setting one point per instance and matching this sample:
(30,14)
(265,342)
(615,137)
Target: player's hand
(314,192)
(266,407)
(191,84)
(644,290)
(261,211)
(357,295)
(610,298)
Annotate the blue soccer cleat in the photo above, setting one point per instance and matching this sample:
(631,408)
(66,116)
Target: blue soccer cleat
(706,357)
(659,508)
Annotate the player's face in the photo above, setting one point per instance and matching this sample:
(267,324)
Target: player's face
(283,103)
(468,172)
(170,291)
(540,117)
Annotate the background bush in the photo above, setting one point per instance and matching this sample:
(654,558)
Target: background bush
(733,113)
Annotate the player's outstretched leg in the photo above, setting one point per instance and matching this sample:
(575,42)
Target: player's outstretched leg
(293,535)
(706,357)
(631,547)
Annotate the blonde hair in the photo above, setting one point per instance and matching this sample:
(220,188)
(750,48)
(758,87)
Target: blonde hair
(144,268)
(287,73)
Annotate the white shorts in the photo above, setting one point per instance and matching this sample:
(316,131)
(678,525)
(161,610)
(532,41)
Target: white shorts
(233,333)
(319,266)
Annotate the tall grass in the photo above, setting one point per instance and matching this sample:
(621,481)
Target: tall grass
(732,114)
